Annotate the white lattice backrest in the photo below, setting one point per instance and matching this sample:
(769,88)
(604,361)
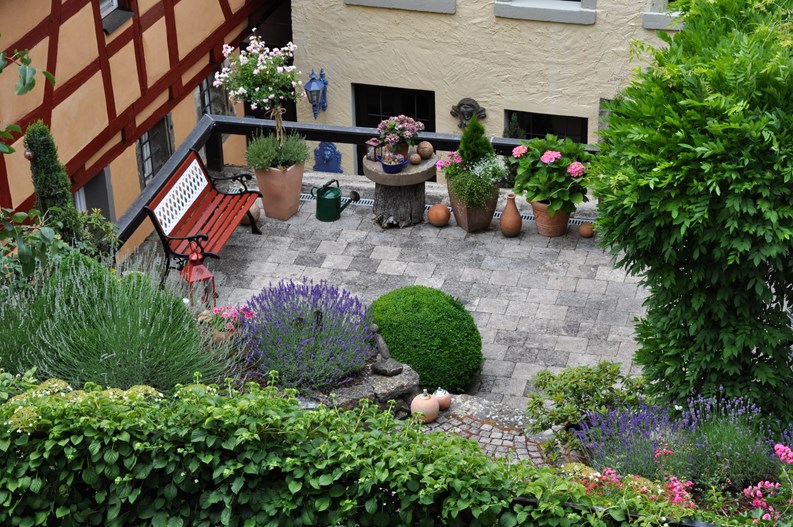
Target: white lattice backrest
(183,194)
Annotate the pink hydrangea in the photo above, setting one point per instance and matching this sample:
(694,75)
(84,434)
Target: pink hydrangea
(576,169)
(784,453)
(519,150)
(550,156)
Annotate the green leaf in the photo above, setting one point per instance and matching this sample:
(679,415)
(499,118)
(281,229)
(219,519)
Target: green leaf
(617,514)
(371,505)
(322,503)
(295,486)
(62,511)
(26,80)
(50,77)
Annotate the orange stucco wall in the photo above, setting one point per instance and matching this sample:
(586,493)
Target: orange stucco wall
(211,17)
(76,49)
(80,118)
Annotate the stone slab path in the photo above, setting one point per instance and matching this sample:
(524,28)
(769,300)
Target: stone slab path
(538,302)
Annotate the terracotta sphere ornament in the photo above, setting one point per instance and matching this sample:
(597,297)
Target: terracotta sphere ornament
(439,215)
(586,230)
(427,405)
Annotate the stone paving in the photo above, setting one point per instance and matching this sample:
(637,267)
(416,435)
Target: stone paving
(538,302)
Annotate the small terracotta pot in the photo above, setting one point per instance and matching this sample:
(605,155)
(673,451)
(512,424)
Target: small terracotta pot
(444,398)
(256,212)
(427,405)
(548,225)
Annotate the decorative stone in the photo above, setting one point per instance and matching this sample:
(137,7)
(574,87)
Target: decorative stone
(415,159)
(439,215)
(387,367)
(425,149)
(586,230)
(402,386)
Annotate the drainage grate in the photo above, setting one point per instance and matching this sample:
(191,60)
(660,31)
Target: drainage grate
(366,202)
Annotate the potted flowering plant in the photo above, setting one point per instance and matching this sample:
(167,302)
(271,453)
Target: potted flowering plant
(552,175)
(225,321)
(399,133)
(265,78)
(472,174)
(392,163)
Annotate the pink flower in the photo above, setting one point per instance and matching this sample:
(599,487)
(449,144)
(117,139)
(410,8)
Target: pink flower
(519,150)
(576,169)
(550,156)
(784,453)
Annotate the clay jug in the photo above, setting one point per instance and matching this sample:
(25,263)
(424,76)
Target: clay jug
(426,404)
(510,222)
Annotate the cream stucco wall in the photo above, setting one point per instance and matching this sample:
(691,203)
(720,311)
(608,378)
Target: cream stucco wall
(523,65)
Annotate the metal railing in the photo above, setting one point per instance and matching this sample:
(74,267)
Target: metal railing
(209,133)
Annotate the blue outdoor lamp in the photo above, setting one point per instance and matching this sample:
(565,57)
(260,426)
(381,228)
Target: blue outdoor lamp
(317,91)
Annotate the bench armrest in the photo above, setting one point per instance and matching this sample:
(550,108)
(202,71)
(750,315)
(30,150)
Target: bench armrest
(240,178)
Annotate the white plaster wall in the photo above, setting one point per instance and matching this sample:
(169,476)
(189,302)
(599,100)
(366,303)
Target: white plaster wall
(531,66)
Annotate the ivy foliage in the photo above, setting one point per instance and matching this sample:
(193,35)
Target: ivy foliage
(696,196)
(431,332)
(207,457)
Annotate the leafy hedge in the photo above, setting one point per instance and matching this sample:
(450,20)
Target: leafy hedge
(695,196)
(433,333)
(208,456)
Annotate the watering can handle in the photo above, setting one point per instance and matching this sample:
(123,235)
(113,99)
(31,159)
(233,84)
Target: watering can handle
(330,183)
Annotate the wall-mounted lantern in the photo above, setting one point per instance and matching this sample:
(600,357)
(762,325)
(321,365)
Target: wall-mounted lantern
(317,92)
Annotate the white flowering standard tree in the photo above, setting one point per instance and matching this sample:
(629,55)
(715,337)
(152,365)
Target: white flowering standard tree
(262,77)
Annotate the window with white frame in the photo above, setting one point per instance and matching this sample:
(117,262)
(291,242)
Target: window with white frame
(154,148)
(562,11)
(662,15)
(430,6)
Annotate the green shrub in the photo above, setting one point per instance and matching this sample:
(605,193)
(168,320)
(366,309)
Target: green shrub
(474,144)
(432,333)
(695,196)
(265,152)
(52,183)
(28,247)
(565,399)
(86,325)
(478,184)
(205,458)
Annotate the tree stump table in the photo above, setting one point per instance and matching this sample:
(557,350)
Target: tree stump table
(399,198)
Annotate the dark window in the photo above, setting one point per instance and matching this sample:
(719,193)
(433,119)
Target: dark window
(526,125)
(154,149)
(114,14)
(213,99)
(97,194)
(375,103)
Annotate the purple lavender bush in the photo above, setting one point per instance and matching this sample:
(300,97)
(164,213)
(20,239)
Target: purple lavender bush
(313,335)
(716,442)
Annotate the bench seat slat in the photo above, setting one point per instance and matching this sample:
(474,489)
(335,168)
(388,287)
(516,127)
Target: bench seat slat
(189,204)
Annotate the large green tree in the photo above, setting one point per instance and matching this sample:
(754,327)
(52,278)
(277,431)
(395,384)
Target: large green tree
(696,195)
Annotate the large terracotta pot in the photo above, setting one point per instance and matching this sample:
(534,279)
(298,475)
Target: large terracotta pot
(280,190)
(472,219)
(548,225)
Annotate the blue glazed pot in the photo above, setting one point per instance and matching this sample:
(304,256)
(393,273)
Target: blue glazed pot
(393,169)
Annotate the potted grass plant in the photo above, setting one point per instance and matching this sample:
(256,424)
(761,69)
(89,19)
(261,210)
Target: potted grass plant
(265,78)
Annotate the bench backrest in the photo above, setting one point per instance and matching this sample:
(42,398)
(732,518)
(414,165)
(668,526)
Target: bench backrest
(171,203)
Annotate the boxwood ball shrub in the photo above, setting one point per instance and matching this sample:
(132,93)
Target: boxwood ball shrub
(313,335)
(695,190)
(431,332)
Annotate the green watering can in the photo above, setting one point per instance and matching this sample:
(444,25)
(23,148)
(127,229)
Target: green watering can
(329,205)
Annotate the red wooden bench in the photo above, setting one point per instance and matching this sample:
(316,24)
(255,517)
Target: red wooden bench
(189,208)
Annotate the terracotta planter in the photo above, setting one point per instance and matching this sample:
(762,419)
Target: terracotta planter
(548,225)
(510,222)
(280,190)
(472,219)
